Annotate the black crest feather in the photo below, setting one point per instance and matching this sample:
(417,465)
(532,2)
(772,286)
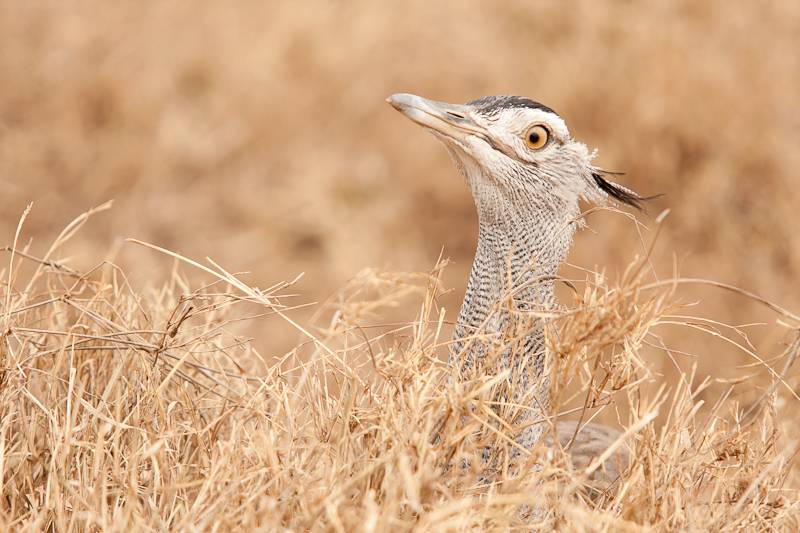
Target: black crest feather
(618,192)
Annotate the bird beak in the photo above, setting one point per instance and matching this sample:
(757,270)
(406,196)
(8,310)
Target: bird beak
(450,120)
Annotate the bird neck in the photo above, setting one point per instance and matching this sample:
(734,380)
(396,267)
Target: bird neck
(524,236)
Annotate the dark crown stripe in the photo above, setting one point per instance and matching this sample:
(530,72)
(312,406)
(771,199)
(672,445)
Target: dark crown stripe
(489,105)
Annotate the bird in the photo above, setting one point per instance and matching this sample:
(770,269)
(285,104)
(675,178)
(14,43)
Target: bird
(527,176)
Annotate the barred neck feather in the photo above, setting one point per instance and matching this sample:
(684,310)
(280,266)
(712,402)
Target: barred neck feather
(521,243)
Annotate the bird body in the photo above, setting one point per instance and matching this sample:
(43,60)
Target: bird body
(527,176)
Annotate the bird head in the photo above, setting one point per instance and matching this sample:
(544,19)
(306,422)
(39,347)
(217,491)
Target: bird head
(506,146)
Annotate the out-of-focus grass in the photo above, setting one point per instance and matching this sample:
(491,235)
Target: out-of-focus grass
(258,131)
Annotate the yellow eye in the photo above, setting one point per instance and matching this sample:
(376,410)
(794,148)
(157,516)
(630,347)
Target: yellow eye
(537,137)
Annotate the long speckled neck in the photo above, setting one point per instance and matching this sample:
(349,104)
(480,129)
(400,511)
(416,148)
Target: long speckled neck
(524,236)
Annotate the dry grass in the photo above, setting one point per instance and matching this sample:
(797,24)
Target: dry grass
(124,409)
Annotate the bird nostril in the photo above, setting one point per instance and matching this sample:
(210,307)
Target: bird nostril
(455,115)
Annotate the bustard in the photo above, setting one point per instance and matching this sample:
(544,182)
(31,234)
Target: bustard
(527,175)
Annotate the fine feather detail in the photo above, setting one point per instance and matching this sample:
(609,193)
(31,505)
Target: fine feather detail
(617,191)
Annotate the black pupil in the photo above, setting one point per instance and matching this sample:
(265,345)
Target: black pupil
(533,137)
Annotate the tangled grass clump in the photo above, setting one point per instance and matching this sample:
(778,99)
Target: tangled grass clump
(123,409)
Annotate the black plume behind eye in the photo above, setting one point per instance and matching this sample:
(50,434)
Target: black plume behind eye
(619,192)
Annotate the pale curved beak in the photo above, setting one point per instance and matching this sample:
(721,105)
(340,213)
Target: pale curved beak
(450,120)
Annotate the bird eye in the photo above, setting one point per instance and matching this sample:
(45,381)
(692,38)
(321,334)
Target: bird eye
(537,137)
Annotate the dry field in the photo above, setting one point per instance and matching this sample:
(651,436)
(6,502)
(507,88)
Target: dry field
(139,389)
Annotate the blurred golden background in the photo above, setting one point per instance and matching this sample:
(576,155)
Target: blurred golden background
(256,133)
